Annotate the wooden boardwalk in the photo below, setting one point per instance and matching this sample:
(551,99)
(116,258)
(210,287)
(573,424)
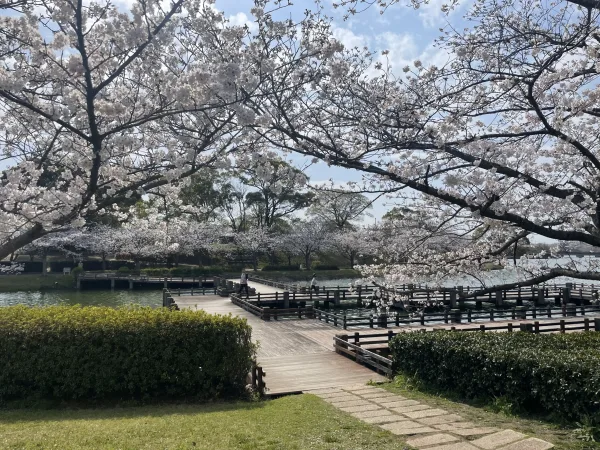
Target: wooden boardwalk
(262,288)
(297,355)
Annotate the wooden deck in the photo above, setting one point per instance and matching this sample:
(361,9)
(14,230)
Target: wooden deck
(297,355)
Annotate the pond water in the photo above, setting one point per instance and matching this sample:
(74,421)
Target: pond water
(507,275)
(85,298)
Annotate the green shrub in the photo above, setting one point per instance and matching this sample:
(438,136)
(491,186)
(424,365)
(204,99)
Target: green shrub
(94,353)
(123,269)
(276,268)
(76,272)
(542,373)
(325,267)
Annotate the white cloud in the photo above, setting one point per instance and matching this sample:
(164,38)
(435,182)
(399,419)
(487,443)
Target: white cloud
(403,48)
(240,19)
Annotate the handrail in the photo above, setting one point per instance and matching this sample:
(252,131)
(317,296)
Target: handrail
(361,355)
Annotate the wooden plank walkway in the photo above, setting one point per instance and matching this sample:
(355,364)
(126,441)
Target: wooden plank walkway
(297,355)
(262,288)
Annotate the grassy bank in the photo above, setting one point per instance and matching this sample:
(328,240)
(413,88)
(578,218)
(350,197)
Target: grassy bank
(35,282)
(297,422)
(497,414)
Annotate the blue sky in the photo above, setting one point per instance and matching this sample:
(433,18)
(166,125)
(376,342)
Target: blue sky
(407,34)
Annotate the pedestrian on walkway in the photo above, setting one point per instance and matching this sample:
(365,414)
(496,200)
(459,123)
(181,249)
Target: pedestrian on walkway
(313,284)
(244,285)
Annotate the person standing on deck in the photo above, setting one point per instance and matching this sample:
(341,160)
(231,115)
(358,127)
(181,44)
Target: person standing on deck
(313,284)
(244,284)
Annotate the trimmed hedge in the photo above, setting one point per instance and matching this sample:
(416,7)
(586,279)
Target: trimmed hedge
(276,268)
(183,271)
(325,267)
(97,353)
(541,373)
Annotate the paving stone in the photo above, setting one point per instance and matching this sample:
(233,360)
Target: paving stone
(498,439)
(342,398)
(330,395)
(441,419)
(382,419)
(425,413)
(362,408)
(376,413)
(325,391)
(432,439)
(365,391)
(529,444)
(474,431)
(388,403)
(347,403)
(355,387)
(377,394)
(455,426)
(406,427)
(456,446)
(405,409)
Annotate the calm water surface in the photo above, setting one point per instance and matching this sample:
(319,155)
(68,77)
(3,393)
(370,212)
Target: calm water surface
(85,298)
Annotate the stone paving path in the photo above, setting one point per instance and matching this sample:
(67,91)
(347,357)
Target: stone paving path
(424,427)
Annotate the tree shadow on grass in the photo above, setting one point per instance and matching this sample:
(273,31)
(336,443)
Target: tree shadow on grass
(52,411)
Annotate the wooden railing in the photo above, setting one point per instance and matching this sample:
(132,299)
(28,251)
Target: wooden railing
(367,348)
(257,376)
(136,276)
(169,295)
(295,287)
(361,355)
(342,320)
(272,313)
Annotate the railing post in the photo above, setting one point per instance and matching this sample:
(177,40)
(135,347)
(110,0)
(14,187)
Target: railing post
(597,324)
(286,300)
(526,327)
(499,299)
(562,325)
(510,327)
(344,322)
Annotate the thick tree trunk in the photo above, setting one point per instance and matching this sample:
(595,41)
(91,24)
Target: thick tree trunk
(352,260)
(22,240)
(44,265)
(104,262)
(307,260)
(289,257)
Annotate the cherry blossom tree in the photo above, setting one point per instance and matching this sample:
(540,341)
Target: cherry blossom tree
(102,241)
(353,244)
(310,237)
(101,105)
(503,139)
(255,241)
(71,243)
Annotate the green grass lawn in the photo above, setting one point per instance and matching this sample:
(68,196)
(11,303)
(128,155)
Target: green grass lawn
(497,414)
(35,282)
(297,422)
